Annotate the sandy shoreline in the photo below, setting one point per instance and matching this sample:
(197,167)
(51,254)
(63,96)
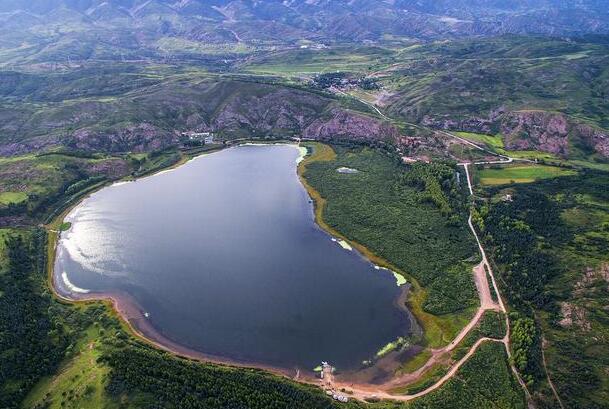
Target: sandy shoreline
(130,312)
(141,327)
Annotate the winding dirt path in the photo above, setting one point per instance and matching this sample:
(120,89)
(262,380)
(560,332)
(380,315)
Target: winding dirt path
(369,392)
(545,368)
(481,273)
(363,392)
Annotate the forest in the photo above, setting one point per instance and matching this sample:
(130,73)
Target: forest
(32,340)
(549,242)
(415,219)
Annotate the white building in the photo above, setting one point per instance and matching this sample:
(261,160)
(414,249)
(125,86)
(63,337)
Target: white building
(206,137)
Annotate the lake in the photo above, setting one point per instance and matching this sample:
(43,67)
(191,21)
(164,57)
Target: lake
(222,255)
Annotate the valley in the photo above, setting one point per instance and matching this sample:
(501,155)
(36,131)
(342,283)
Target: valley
(457,149)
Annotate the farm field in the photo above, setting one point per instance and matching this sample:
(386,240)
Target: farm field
(520,174)
(319,61)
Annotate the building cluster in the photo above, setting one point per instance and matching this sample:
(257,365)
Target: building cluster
(326,372)
(204,137)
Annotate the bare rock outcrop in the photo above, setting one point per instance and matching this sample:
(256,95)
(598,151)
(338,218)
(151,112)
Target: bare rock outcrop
(555,133)
(346,125)
(536,130)
(596,138)
(138,138)
(545,131)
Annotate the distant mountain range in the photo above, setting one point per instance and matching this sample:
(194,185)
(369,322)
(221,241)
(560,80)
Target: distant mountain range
(321,20)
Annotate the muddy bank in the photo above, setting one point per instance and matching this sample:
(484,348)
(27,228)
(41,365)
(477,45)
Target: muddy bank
(383,369)
(132,310)
(379,373)
(137,321)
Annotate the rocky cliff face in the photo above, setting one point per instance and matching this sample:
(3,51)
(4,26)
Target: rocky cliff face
(595,138)
(344,125)
(536,130)
(156,118)
(550,132)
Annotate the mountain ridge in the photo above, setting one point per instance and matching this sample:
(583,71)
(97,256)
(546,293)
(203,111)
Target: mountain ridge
(342,20)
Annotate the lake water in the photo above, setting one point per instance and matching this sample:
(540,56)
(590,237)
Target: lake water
(223,256)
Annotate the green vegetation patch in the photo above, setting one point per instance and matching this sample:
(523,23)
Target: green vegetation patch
(540,156)
(495,144)
(34,331)
(491,325)
(452,291)
(484,381)
(426,381)
(415,218)
(492,141)
(417,361)
(521,174)
(550,244)
(392,346)
(12,197)
(172,382)
(80,382)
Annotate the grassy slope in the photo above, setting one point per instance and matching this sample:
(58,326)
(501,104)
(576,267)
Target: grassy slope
(80,381)
(12,197)
(163,100)
(495,144)
(406,236)
(491,141)
(514,72)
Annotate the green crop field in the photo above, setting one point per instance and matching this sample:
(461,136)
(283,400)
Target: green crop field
(495,144)
(312,61)
(491,141)
(521,174)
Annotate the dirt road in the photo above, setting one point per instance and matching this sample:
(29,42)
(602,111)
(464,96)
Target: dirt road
(481,273)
